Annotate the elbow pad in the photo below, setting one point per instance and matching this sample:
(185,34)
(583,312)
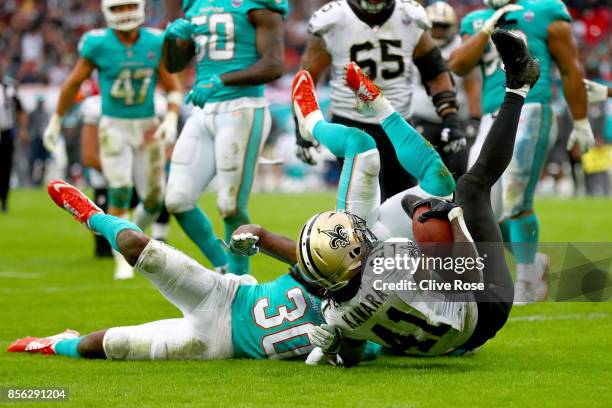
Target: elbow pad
(431,65)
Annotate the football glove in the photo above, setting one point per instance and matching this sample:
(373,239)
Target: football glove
(582,135)
(595,92)
(244,244)
(440,209)
(52,132)
(493,22)
(179,29)
(453,136)
(167,130)
(304,149)
(326,337)
(204,90)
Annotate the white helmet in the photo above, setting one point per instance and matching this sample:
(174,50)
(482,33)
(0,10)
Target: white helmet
(127,20)
(496,3)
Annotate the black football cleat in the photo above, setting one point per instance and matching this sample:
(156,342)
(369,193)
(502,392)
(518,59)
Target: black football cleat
(521,69)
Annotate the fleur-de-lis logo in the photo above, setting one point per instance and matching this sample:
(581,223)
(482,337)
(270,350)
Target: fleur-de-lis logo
(339,237)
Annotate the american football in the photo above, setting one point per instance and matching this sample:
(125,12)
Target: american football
(305,203)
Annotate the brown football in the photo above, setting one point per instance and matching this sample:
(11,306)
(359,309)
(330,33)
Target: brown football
(432,230)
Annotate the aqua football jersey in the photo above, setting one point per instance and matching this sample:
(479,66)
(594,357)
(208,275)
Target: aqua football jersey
(531,23)
(272,320)
(225,40)
(127,75)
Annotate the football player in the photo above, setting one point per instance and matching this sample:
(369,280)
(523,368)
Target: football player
(386,38)
(423,113)
(128,59)
(545,26)
(224,316)
(238,47)
(332,245)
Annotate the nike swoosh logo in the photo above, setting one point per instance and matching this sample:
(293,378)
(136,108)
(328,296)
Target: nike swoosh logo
(302,79)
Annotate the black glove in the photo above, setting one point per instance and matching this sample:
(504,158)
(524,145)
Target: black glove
(453,136)
(471,127)
(304,149)
(439,209)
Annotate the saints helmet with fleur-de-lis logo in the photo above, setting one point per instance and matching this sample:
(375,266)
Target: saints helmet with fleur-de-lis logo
(331,248)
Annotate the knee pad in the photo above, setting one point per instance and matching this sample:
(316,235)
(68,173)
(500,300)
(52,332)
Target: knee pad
(117,344)
(178,201)
(120,197)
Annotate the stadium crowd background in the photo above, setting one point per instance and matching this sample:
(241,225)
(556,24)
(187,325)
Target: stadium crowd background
(38,48)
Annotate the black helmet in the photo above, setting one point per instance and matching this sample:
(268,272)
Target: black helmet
(372,6)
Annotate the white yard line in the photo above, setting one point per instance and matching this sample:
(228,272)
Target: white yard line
(569,316)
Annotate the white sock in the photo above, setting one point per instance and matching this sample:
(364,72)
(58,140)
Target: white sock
(143,218)
(160,231)
(522,91)
(383,108)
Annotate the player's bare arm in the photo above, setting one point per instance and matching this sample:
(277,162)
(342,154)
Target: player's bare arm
(472,84)
(468,55)
(564,50)
(316,59)
(269,30)
(177,53)
(272,244)
(80,73)
(172,85)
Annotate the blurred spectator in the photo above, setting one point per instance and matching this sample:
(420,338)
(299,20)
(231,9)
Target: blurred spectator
(38,154)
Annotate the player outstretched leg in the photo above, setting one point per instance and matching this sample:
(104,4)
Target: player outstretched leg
(414,153)
(473,192)
(359,190)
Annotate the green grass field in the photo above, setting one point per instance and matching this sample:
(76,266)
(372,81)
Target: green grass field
(550,354)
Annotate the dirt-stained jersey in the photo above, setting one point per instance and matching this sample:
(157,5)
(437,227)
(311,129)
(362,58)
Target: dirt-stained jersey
(384,52)
(413,321)
(423,107)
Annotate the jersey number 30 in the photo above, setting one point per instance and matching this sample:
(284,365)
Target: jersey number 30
(270,342)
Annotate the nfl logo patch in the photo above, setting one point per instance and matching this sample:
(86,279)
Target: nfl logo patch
(237,3)
(529,16)
(151,55)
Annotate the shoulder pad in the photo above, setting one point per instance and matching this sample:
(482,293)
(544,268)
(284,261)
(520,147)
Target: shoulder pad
(415,12)
(325,17)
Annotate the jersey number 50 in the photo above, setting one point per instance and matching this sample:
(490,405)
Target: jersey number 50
(220,43)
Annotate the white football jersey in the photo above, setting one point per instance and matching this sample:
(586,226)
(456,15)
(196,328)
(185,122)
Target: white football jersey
(423,107)
(384,52)
(417,322)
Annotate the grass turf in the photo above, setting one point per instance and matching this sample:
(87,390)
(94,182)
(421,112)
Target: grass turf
(547,355)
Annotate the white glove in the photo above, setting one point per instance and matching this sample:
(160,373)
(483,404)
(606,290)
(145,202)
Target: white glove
(244,244)
(581,135)
(52,132)
(595,92)
(167,130)
(490,25)
(317,357)
(326,337)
